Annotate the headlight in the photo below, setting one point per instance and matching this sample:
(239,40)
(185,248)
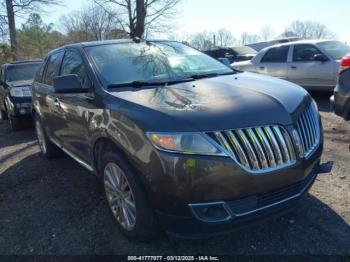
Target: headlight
(21,91)
(184,143)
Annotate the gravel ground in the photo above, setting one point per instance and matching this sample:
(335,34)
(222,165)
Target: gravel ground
(55,208)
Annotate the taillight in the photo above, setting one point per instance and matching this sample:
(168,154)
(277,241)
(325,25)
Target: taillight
(344,64)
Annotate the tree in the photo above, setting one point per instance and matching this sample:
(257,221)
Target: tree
(202,40)
(308,30)
(141,17)
(224,38)
(19,7)
(92,23)
(266,33)
(5,53)
(35,38)
(247,38)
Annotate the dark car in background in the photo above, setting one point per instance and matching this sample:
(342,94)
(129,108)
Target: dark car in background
(340,101)
(233,54)
(178,140)
(16,80)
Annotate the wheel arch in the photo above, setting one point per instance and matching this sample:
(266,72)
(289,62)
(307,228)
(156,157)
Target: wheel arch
(105,144)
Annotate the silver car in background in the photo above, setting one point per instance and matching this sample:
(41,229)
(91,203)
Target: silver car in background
(313,64)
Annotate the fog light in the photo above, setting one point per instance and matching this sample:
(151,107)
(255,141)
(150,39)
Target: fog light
(210,212)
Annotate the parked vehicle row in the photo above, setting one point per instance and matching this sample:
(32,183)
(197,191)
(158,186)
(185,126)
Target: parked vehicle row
(16,91)
(313,64)
(232,54)
(178,140)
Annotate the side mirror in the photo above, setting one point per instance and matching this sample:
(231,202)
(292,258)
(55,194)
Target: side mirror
(68,84)
(320,58)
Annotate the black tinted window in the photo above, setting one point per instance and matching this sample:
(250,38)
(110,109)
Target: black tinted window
(21,72)
(305,53)
(73,65)
(39,75)
(276,55)
(52,68)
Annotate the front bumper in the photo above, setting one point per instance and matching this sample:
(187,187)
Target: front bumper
(19,106)
(245,211)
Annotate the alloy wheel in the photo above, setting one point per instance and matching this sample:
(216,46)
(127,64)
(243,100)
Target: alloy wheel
(120,196)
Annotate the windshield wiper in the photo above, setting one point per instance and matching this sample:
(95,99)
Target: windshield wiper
(209,75)
(139,84)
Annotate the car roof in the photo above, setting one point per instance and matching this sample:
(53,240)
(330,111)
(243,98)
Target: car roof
(311,41)
(107,42)
(21,62)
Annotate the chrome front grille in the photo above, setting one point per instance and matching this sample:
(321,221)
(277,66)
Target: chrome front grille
(308,128)
(257,149)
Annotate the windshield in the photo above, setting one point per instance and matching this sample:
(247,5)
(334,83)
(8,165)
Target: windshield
(21,72)
(335,48)
(151,62)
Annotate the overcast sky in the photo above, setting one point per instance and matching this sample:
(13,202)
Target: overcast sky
(244,15)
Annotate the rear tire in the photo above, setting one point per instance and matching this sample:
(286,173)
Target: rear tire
(48,149)
(125,197)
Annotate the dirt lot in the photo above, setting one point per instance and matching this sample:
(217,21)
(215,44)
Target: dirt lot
(55,207)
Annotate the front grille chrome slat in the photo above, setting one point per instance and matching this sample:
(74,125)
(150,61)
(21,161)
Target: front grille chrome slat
(281,140)
(308,128)
(312,127)
(275,146)
(238,148)
(248,147)
(257,149)
(223,142)
(269,148)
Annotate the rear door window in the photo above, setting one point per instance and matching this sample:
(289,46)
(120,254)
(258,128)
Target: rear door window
(276,55)
(52,68)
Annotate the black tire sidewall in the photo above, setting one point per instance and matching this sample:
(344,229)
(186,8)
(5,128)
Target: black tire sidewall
(52,151)
(15,123)
(146,226)
(3,115)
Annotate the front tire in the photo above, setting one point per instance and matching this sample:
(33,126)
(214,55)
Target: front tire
(3,115)
(48,149)
(126,199)
(16,123)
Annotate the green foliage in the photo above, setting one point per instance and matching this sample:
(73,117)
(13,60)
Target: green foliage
(5,53)
(36,39)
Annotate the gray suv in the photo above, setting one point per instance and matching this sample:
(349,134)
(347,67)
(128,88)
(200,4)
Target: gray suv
(179,141)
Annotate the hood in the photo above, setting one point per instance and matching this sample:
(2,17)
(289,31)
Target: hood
(20,83)
(220,103)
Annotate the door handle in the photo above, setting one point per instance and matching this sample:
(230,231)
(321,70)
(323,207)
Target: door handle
(262,67)
(57,102)
(293,67)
